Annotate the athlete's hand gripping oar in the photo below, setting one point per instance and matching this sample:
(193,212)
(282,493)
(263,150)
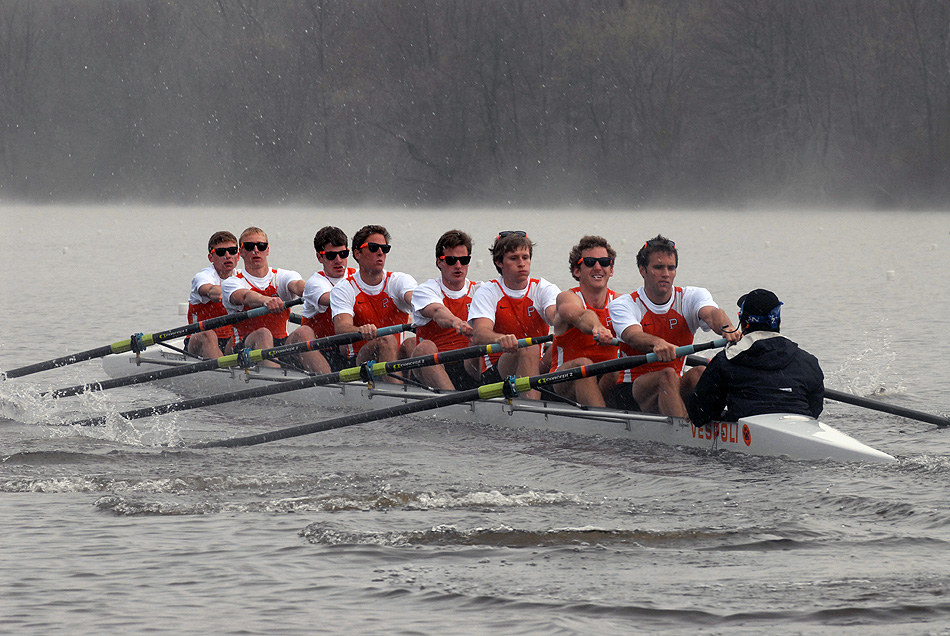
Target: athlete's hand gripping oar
(139,342)
(248,356)
(868,403)
(507,388)
(351,374)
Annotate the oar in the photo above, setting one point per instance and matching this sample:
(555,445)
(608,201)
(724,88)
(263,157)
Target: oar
(140,341)
(351,374)
(224,362)
(848,398)
(507,388)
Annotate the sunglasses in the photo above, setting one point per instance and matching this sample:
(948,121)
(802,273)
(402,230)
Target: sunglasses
(221,251)
(605,261)
(505,233)
(660,243)
(250,245)
(375,247)
(452,260)
(330,256)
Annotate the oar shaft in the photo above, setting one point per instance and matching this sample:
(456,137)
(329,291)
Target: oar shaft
(484,392)
(123,346)
(868,403)
(407,408)
(224,362)
(346,375)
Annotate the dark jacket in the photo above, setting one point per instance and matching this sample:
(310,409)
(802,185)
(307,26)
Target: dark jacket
(765,374)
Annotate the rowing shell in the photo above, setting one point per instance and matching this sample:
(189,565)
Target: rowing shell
(783,435)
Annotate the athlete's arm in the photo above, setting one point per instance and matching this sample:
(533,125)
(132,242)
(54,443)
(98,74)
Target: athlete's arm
(484,330)
(647,343)
(211,292)
(446,319)
(719,322)
(251,299)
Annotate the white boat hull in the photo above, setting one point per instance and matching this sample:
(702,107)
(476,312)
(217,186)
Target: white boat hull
(784,435)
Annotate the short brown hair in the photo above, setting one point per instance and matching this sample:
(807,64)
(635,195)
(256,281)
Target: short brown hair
(220,237)
(509,243)
(364,233)
(586,243)
(453,238)
(659,243)
(328,235)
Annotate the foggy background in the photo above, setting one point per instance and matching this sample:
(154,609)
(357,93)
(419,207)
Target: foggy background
(520,102)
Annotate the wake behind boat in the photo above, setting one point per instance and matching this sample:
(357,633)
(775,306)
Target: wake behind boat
(784,435)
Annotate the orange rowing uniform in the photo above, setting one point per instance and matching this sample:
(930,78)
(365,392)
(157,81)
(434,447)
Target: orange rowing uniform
(672,326)
(275,323)
(517,316)
(574,343)
(379,310)
(449,339)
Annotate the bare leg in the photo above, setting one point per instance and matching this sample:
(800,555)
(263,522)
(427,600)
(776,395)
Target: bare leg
(659,392)
(310,360)
(586,390)
(205,344)
(261,339)
(435,375)
(526,362)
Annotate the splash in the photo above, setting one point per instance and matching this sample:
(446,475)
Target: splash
(867,372)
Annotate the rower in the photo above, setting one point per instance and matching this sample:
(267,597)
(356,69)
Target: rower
(204,301)
(582,333)
(441,314)
(516,306)
(260,285)
(657,318)
(330,244)
(764,372)
(371,298)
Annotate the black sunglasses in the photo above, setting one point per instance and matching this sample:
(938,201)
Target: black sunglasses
(375,247)
(250,245)
(330,256)
(505,233)
(605,261)
(221,251)
(452,260)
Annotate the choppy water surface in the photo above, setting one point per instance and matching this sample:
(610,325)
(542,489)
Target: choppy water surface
(414,526)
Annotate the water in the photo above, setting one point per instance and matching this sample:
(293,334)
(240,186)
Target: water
(415,526)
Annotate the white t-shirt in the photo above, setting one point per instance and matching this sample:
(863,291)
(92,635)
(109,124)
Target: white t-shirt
(282,279)
(318,285)
(486,298)
(433,291)
(624,312)
(207,276)
(343,294)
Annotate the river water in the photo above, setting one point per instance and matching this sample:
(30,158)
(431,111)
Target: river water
(420,526)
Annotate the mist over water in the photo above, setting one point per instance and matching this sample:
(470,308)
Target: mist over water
(425,526)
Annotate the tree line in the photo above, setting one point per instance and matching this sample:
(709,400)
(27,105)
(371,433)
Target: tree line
(430,102)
